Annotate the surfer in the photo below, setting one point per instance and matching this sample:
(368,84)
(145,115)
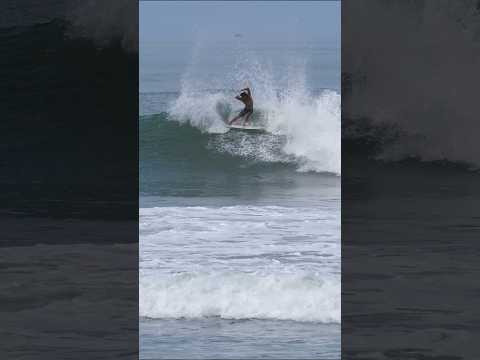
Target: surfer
(246,98)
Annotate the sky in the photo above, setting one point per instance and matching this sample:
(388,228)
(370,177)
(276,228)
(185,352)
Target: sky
(258,20)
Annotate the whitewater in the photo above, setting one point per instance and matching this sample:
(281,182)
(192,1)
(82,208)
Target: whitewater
(310,123)
(240,262)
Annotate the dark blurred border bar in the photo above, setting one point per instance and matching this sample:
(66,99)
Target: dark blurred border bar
(69,179)
(410,184)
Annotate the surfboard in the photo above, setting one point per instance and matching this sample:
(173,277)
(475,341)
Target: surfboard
(247,128)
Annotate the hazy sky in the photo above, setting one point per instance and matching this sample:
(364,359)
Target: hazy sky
(259,20)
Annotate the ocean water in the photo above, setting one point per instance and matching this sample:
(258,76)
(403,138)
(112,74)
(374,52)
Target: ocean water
(239,233)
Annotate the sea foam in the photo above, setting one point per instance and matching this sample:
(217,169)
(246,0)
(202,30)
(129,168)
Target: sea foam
(240,262)
(235,295)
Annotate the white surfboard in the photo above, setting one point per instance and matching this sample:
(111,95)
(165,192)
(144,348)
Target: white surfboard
(247,128)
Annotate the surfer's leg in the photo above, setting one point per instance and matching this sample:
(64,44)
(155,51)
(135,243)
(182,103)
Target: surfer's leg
(247,117)
(243,112)
(234,119)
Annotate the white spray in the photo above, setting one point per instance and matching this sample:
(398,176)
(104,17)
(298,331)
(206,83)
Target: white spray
(309,122)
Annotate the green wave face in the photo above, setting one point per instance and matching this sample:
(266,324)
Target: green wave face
(177,159)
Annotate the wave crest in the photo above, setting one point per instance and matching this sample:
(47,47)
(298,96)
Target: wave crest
(309,125)
(299,297)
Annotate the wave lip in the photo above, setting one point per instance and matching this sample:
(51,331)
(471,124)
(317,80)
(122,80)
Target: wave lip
(300,296)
